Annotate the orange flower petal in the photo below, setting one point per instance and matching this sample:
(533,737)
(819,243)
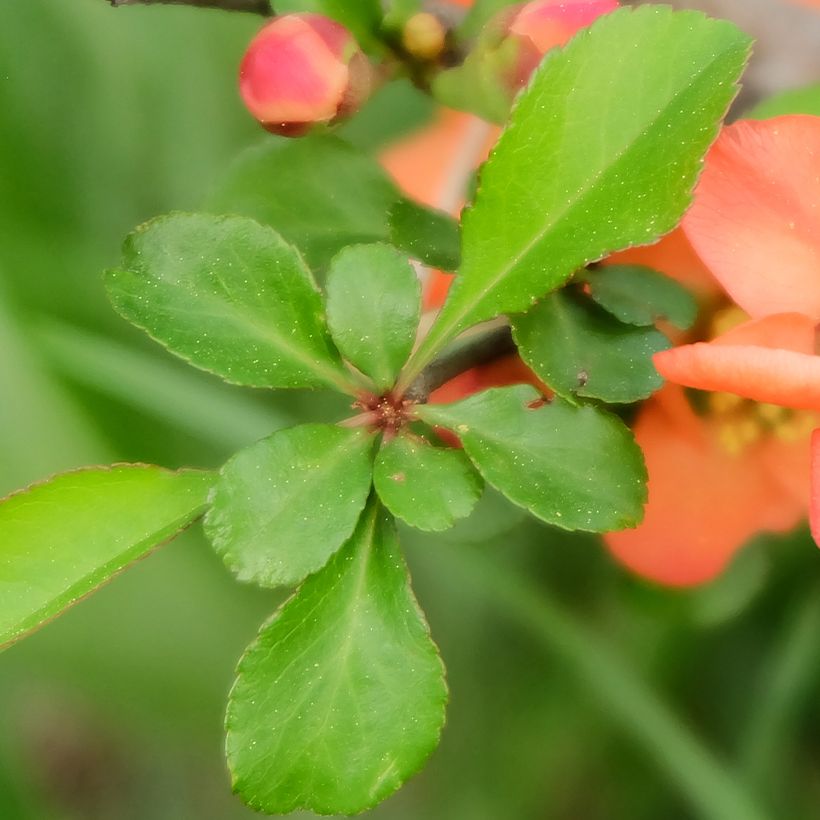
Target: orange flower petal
(756,218)
(786,331)
(814,503)
(425,163)
(704,503)
(759,373)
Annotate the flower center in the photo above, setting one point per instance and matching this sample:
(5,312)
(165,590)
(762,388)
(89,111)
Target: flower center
(742,422)
(386,412)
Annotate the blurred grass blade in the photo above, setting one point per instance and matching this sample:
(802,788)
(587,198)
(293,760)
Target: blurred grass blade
(701,778)
(173,393)
(31,444)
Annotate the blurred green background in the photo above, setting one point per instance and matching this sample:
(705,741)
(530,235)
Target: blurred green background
(108,117)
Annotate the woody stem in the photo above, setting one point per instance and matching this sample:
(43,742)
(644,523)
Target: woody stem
(252,6)
(472,351)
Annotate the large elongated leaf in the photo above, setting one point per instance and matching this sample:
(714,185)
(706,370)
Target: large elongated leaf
(341,697)
(373,309)
(575,467)
(229,296)
(283,506)
(62,539)
(579,349)
(318,192)
(602,152)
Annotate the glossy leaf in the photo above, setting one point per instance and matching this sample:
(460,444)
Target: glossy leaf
(230,296)
(427,487)
(373,309)
(430,236)
(341,697)
(602,152)
(318,192)
(641,296)
(283,506)
(62,539)
(575,467)
(578,349)
(362,17)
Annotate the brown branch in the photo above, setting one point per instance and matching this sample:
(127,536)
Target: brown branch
(251,6)
(471,352)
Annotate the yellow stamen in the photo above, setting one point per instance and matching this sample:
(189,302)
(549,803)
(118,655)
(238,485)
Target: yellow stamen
(724,403)
(726,319)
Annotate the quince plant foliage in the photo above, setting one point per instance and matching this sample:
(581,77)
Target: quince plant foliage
(341,698)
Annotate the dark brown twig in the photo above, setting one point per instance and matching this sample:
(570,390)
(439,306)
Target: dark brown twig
(481,348)
(250,6)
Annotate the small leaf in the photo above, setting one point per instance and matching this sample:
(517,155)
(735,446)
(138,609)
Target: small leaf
(580,350)
(641,296)
(575,467)
(394,111)
(318,192)
(602,152)
(362,17)
(373,309)
(480,13)
(341,697)
(430,236)
(427,487)
(62,539)
(804,100)
(477,85)
(229,296)
(283,506)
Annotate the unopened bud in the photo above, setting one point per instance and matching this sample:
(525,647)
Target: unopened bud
(424,36)
(301,70)
(541,25)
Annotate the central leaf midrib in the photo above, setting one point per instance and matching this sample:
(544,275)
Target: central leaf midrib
(366,553)
(242,315)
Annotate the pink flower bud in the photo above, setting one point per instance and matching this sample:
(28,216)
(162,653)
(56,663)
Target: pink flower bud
(303,69)
(542,25)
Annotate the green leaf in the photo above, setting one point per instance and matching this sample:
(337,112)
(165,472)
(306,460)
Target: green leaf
(341,697)
(427,487)
(641,296)
(602,152)
(229,296)
(319,192)
(373,309)
(283,506)
(804,100)
(480,13)
(397,109)
(362,17)
(580,350)
(477,85)
(575,467)
(428,235)
(61,539)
